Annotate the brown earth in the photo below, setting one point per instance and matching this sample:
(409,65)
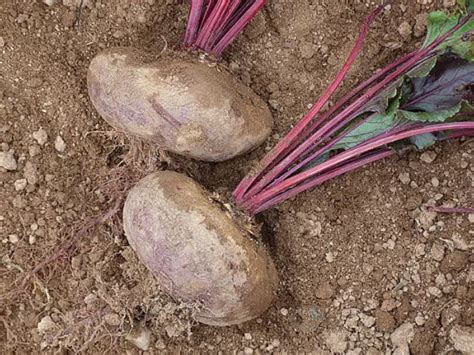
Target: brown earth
(364,267)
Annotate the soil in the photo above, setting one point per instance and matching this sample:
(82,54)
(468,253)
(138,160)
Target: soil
(364,267)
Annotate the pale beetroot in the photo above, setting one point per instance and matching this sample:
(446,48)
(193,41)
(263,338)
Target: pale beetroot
(185,106)
(197,252)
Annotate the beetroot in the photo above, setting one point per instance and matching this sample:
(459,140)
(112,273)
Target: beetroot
(196,251)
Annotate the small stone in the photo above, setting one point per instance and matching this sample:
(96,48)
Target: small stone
(34,150)
(41,136)
(30,172)
(402,337)
(405,29)
(367,268)
(449,3)
(46,324)
(324,291)
(462,339)
(420,320)
(32,239)
(59,144)
(435,182)
(426,218)
(248,336)
(112,319)
(459,242)
(404,178)
(335,341)
(420,250)
(13,238)
(471,218)
(50,2)
(434,291)
(91,300)
(389,305)
(384,321)
(455,261)
(330,257)
(140,337)
(284,312)
(2,42)
(248,351)
(428,157)
(437,252)
(307,50)
(20,184)
(8,161)
(449,315)
(367,321)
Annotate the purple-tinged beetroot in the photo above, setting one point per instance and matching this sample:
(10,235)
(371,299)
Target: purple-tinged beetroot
(197,252)
(188,107)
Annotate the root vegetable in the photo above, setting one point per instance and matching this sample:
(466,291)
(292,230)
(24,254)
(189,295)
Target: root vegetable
(188,106)
(185,106)
(198,253)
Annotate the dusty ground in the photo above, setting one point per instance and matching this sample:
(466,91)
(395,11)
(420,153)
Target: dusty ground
(364,268)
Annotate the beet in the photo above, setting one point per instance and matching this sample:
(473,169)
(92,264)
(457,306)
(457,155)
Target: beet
(196,109)
(197,252)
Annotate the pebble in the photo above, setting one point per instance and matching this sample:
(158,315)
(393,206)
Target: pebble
(437,252)
(13,238)
(45,324)
(449,315)
(248,351)
(59,144)
(2,42)
(34,150)
(367,321)
(420,320)
(248,336)
(140,337)
(460,242)
(30,172)
(336,341)
(402,337)
(112,319)
(434,291)
(307,50)
(435,182)
(324,291)
(428,157)
(330,257)
(404,178)
(284,312)
(471,218)
(426,218)
(8,161)
(50,2)
(20,184)
(454,262)
(41,136)
(463,339)
(384,321)
(405,29)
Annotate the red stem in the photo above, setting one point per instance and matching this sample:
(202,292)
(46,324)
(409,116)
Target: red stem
(254,202)
(239,25)
(323,178)
(194,18)
(283,145)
